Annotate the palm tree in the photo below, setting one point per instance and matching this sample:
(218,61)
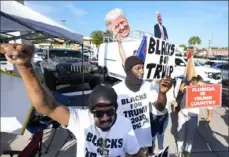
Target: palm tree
(97,37)
(194,41)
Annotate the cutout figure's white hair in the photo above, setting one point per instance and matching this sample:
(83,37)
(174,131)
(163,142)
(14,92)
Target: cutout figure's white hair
(112,15)
(158,13)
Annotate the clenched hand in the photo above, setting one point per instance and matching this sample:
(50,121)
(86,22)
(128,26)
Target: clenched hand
(165,84)
(17,54)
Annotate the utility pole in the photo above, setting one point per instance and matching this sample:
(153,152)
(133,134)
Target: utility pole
(63,22)
(209,48)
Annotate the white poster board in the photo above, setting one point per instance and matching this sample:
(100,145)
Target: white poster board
(15,104)
(160,59)
(163,153)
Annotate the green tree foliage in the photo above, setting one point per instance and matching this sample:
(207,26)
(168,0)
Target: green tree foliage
(97,37)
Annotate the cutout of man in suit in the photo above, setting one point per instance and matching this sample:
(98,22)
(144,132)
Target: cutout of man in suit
(159,29)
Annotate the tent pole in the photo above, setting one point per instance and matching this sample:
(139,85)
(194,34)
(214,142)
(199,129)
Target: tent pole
(82,72)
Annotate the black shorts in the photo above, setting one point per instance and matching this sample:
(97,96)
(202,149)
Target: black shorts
(157,123)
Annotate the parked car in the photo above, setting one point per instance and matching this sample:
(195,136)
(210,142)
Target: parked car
(208,74)
(5,65)
(65,66)
(209,63)
(224,68)
(37,57)
(93,61)
(94,66)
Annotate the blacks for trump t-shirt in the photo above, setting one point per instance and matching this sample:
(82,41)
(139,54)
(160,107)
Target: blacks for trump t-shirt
(93,142)
(135,107)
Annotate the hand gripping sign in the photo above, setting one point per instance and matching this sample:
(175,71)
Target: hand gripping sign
(160,59)
(208,95)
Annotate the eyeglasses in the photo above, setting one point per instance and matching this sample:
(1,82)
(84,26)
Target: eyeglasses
(100,113)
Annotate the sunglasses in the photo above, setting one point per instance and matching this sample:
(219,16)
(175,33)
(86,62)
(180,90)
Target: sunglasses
(100,113)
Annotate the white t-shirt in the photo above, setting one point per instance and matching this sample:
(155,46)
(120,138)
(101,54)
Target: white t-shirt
(92,141)
(135,106)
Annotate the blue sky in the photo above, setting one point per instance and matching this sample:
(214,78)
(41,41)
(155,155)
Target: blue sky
(183,19)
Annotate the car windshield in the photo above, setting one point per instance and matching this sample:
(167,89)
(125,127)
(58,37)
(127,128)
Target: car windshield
(2,57)
(64,54)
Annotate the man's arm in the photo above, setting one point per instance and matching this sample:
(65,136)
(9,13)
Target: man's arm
(165,85)
(166,34)
(156,33)
(40,97)
(121,52)
(161,101)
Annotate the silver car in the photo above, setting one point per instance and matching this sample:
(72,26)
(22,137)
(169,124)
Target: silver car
(224,67)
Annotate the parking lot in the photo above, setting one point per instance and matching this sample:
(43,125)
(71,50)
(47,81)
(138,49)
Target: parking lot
(210,140)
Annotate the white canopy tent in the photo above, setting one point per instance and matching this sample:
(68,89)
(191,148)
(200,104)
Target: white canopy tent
(17,17)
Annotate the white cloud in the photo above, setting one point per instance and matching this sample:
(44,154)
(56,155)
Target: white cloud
(75,10)
(41,8)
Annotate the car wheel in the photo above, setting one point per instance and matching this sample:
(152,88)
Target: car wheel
(38,63)
(94,82)
(49,80)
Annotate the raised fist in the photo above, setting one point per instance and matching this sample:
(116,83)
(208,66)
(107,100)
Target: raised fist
(17,54)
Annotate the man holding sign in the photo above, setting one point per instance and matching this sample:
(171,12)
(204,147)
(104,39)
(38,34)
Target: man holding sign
(135,95)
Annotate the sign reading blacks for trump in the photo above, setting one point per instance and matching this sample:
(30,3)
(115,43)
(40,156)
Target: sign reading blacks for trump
(208,95)
(160,59)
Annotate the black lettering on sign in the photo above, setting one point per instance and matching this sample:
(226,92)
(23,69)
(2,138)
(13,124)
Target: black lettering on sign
(160,47)
(171,71)
(150,66)
(167,49)
(163,48)
(151,48)
(172,49)
(160,70)
(158,52)
(166,59)
(161,59)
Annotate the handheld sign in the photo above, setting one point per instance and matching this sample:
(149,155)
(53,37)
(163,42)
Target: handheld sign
(160,59)
(208,95)
(163,153)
